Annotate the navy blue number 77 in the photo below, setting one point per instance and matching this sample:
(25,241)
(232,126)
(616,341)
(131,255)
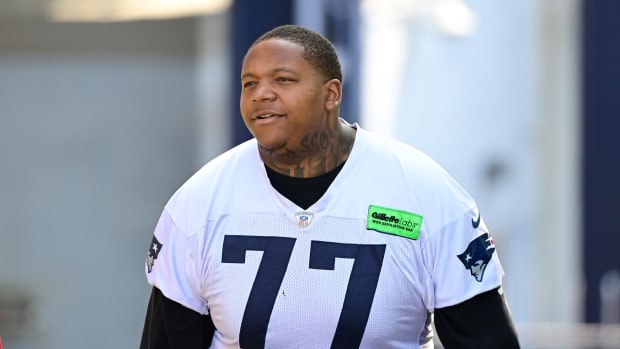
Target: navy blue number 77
(367,263)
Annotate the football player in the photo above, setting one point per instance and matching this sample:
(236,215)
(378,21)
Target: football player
(317,233)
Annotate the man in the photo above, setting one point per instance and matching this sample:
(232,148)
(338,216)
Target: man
(317,233)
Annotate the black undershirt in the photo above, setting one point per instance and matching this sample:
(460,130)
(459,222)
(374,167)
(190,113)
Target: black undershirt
(302,191)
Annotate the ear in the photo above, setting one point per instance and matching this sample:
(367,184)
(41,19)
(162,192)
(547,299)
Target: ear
(333,96)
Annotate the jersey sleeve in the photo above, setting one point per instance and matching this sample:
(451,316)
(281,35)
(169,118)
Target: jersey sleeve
(172,266)
(465,262)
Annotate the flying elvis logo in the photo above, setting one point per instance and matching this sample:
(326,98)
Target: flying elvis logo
(395,222)
(154,249)
(477,255)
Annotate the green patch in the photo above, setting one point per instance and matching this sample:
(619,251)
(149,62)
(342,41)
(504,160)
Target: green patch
(395,222)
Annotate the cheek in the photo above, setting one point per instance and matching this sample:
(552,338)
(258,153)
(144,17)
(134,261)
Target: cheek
(242,103)
(306,107)
(244,108)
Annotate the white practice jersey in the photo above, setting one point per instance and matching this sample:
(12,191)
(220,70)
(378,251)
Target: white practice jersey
(393,238)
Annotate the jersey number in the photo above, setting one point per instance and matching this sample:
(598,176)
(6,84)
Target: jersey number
(367,263)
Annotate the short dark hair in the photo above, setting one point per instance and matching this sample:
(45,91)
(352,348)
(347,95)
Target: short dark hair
(318,50)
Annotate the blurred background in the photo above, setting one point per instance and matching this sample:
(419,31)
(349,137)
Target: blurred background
(108,106)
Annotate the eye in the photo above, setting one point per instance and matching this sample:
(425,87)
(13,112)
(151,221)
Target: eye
(249,84)
(285,79)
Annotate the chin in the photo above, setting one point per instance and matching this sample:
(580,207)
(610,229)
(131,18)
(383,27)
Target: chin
(270,145)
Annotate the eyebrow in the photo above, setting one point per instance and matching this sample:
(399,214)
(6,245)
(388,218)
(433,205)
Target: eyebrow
(274,71)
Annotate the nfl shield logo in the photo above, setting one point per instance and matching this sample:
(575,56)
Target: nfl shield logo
(303,218)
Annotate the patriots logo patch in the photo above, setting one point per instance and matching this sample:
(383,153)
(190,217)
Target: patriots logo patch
(154,249)
(477,255)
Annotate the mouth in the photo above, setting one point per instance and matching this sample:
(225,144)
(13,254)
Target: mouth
(266,116)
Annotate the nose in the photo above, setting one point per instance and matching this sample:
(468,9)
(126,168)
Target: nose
(263,93)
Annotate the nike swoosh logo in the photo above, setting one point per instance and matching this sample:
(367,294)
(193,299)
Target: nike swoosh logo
(476,223)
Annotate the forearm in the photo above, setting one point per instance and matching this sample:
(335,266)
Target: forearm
(482,322)
(169,325)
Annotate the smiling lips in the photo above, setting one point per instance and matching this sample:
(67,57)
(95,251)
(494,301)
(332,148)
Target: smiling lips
(266,116)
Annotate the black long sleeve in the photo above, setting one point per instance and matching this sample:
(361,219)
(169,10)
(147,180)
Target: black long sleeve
(482,322)
(169,325)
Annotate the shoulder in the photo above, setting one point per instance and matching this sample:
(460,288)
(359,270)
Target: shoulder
(387,149)
(421,180)
(195,197)
(240,155)
(209,176)
(424,175)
